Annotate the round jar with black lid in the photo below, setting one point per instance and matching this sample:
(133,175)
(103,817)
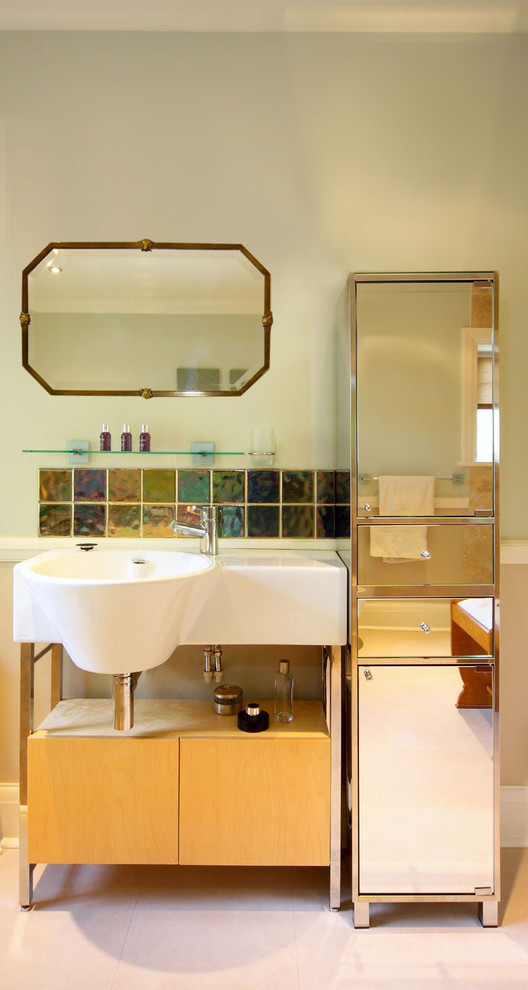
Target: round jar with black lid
(253,718)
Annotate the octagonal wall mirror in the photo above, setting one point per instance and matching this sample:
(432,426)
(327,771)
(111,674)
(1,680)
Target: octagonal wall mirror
(145,318)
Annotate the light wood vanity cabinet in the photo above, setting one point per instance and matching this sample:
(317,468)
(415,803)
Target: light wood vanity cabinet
(185,786)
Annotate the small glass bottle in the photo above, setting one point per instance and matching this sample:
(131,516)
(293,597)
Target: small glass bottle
(283,693)
(144,438)
(105,439)
(126,438)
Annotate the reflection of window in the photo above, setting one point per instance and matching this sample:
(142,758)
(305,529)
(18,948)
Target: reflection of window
(484,443)
(477,395)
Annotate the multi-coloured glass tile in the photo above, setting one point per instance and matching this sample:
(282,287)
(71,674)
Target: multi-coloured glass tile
(326,487)
(124,485)
(342,486)
(157,520)
(124,520)
(263,520)
(193,486)
(228,486)
(230,520)
(297,521)
(189,516)
(297,486)
(342,520)
(263,486)
(89,520)
(55,486)
(271,503)
(55,520)
(159,485)
(89,485)
(325,521)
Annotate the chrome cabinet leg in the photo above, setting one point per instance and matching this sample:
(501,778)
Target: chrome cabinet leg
(361,914)
(25,869)
(334,654)
(488,912)
(27,690)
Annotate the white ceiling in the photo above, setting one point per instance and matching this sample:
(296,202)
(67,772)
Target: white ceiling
(475,16)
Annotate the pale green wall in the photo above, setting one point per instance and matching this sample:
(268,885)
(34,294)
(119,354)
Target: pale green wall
(322,154)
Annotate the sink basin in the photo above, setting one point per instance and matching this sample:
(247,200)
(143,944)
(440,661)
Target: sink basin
(114,610)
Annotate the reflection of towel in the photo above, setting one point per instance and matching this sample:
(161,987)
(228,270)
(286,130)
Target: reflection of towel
(402,496)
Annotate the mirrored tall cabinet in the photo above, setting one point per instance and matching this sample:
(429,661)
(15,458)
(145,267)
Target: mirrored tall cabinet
(424,611)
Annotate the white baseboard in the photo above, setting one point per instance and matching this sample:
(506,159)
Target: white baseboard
(514,816)
(9,815)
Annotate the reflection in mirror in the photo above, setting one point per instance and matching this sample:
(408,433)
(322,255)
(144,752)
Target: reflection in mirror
(451,555)
(420,627)
(143,318)
(426,348)
(426,800)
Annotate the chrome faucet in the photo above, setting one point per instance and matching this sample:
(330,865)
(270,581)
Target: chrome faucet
(207,530)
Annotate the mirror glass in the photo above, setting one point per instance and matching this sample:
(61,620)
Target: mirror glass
(144,318)
(426,377)
(430,627)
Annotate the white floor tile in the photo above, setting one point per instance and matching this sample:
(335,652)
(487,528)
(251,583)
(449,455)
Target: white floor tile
(144,928)
(206,949)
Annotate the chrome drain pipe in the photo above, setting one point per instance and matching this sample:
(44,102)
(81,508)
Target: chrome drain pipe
(123,698)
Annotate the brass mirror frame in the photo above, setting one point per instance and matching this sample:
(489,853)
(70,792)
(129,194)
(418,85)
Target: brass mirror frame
(144,245)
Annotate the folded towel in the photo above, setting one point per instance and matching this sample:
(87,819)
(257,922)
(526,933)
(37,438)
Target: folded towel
(411,495)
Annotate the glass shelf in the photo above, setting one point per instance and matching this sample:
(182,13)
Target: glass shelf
(183,453)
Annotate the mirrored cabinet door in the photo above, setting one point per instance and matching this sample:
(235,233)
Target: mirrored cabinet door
(426,802)
(426,402)
(425,627)
(440,554)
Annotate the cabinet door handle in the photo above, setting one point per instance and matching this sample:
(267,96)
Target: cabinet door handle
(425,627)
(367,673)
(367,506)
(425,554)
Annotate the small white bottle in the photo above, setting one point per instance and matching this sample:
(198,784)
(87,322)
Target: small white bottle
(283,693)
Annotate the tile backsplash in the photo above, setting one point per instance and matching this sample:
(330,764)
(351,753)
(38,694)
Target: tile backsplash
(141,502)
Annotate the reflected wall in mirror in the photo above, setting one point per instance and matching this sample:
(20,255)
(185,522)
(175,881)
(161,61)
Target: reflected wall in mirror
(426,790)
(426,390)
(145,318)
(425,627)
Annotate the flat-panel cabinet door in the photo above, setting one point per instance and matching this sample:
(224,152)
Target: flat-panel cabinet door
(256,801)
(426,778)
(101,800)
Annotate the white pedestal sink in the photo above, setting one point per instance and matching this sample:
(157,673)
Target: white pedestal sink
(113,610)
